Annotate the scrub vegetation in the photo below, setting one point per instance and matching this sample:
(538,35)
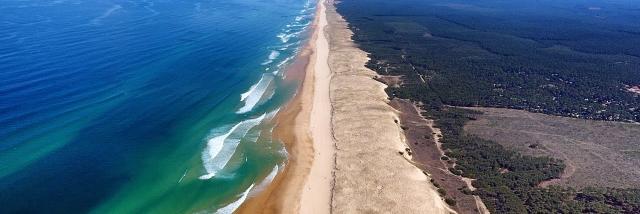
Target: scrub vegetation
(572,59)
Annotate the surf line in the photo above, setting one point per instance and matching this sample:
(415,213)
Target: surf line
(213,158)
(185,174)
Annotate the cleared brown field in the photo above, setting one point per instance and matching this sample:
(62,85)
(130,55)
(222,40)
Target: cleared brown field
(597,153)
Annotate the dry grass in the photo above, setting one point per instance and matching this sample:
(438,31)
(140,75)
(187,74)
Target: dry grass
(597,153)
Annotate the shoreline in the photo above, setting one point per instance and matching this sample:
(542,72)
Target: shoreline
(318,190)
(304,127)
(338,129)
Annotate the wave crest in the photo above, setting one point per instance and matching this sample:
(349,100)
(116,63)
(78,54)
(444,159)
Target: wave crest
(221,148)
(253,96)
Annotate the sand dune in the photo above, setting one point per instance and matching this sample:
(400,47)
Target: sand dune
(370,174)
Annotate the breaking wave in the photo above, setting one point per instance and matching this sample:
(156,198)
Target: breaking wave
(253,96)
(273,55)
(230,208)
(221,148)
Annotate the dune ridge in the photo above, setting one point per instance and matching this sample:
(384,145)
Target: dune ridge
(371,176)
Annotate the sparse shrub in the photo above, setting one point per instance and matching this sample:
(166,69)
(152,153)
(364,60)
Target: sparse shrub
(435,184)
(455,171)
(442,192)
(450,201)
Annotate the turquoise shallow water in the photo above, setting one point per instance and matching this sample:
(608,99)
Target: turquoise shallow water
(139,106)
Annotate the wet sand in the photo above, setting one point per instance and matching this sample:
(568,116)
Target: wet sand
(304,186)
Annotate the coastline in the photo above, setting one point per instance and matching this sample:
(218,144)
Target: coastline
(304,127)
(338,129)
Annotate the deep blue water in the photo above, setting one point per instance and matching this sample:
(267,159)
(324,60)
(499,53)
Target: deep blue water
(123,106)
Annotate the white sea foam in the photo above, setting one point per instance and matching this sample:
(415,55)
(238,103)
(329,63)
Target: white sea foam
(273,55)
(106,14)
(281,65)
(285,37)
(254,94)
(286,46)
(244,95)
(299,25)
(230,208)
(283,152)
(271,175)
(267,180)
(272,114)
(151,10)
(253,136)
(221,148)
(307,9)
(183,175)
(214,146)
(285,61)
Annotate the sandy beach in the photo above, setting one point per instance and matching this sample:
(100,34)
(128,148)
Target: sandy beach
(304,126)
(316,195)
(342,138)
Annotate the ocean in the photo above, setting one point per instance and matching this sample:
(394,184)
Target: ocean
(142,106)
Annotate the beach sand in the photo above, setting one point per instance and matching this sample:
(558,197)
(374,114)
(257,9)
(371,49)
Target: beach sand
(341,137)
(316,195)
(304,126)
